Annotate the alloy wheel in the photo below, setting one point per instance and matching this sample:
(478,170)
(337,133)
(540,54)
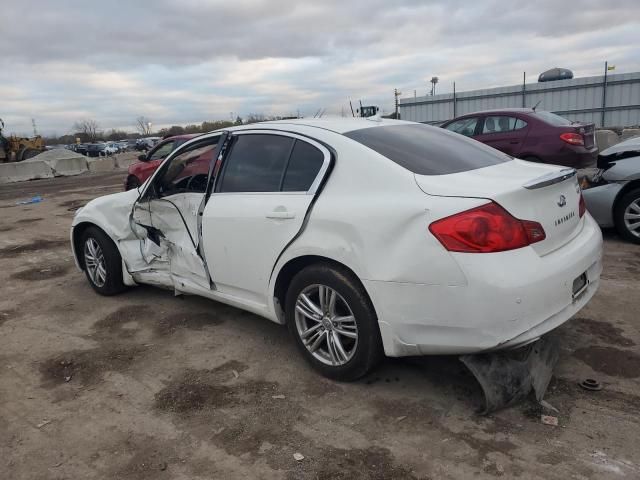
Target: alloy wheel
(632,218)
(94,262)
(326,325)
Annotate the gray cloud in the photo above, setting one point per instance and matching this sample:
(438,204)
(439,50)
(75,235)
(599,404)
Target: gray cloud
(186,61)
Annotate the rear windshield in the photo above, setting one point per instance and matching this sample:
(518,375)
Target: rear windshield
(428,150)
(553,119)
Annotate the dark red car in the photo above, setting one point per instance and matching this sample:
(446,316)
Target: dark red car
(533,135)
(138,172)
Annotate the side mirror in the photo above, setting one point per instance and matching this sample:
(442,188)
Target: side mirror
(142,158)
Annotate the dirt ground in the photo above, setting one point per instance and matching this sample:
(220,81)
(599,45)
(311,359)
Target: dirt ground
(147,385)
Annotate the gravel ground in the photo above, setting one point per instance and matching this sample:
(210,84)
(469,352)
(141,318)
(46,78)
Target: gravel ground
(146,385)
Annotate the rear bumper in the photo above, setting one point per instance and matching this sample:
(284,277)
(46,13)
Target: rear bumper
(511,298)
(576,157)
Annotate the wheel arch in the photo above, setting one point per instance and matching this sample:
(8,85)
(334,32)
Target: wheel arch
(76,239)
(295,265)
(632,185)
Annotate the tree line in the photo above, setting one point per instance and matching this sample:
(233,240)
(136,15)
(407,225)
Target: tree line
(88,130)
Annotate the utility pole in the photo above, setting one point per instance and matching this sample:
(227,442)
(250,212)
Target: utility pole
(35,130)
(604,93)
(396,94)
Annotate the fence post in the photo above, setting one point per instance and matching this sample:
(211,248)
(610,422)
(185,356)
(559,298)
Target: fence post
(454,100)
(604,94)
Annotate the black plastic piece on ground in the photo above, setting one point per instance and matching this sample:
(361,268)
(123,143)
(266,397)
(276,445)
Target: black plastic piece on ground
(508,377)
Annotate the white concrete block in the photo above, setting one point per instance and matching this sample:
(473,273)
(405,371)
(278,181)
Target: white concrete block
(629,133)
(21,171)
(124,162)
(101,164)
(606,138)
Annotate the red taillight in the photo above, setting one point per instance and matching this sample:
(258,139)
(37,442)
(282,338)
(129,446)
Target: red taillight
(572,138)
(582,207)
(484,229)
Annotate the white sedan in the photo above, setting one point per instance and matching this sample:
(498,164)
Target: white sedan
(364,236)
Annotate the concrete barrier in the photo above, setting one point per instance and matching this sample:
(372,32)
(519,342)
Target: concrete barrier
(606,138)
(64,167)
(124,162)
(101,164)
(629,133)
(21,171)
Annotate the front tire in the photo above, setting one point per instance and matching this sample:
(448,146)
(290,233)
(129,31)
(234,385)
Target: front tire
(627,216)
(132,182)
(333,322)
(102,262)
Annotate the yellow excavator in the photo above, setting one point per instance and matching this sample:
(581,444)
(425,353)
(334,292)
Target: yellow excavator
(17,149)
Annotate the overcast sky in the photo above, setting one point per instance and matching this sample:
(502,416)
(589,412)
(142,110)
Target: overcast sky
(185,61)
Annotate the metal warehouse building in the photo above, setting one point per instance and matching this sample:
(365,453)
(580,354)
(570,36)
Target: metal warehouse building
(615,103)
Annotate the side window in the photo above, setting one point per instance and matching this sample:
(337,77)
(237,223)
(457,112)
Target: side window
(520,124)
(256,163)
(465,126)
(162,151)
(188,170)
(304,165)
(502,123)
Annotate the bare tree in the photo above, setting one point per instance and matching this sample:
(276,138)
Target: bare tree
(143,124)
(87,127)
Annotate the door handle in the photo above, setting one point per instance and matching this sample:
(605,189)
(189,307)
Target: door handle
(281,215)
(514,142)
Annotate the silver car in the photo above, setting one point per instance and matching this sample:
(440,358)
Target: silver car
(612,195)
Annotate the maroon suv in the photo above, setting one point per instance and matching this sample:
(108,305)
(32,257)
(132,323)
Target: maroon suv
(532,135)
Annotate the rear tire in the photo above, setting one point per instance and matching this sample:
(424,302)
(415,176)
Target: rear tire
(132,182)
(628,206)
(102,262)
(339,336)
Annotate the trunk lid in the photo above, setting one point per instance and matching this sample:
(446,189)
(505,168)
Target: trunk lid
(542,193)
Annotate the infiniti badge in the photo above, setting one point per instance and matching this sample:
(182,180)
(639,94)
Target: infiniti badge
(562,202)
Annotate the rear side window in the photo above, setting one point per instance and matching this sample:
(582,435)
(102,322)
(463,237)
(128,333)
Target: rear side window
(256,163)
(427,150)
(304,165)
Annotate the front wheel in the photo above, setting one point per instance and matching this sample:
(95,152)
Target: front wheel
(627,216)
(132,182)
(102,262)
(333,322)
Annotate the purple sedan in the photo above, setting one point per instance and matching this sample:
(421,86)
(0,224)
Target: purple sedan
(537,136)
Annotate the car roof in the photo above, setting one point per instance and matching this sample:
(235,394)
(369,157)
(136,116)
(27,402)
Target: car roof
(184,136)
(333,124)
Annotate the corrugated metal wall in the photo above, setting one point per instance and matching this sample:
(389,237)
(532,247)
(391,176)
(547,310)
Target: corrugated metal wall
(577,99)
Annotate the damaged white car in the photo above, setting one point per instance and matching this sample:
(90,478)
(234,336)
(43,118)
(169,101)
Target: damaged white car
(365,236)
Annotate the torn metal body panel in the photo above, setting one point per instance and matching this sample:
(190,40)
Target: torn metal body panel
(508,377)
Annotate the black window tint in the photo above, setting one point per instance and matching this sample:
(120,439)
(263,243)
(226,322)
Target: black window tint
(428,150)
(256,163)
(303,168)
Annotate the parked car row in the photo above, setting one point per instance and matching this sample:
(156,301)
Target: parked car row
(100,148)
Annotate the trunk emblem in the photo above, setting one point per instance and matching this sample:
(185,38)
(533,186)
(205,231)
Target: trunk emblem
(562,201)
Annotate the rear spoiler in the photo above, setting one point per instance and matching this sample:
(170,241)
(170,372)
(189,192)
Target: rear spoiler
(550,178)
